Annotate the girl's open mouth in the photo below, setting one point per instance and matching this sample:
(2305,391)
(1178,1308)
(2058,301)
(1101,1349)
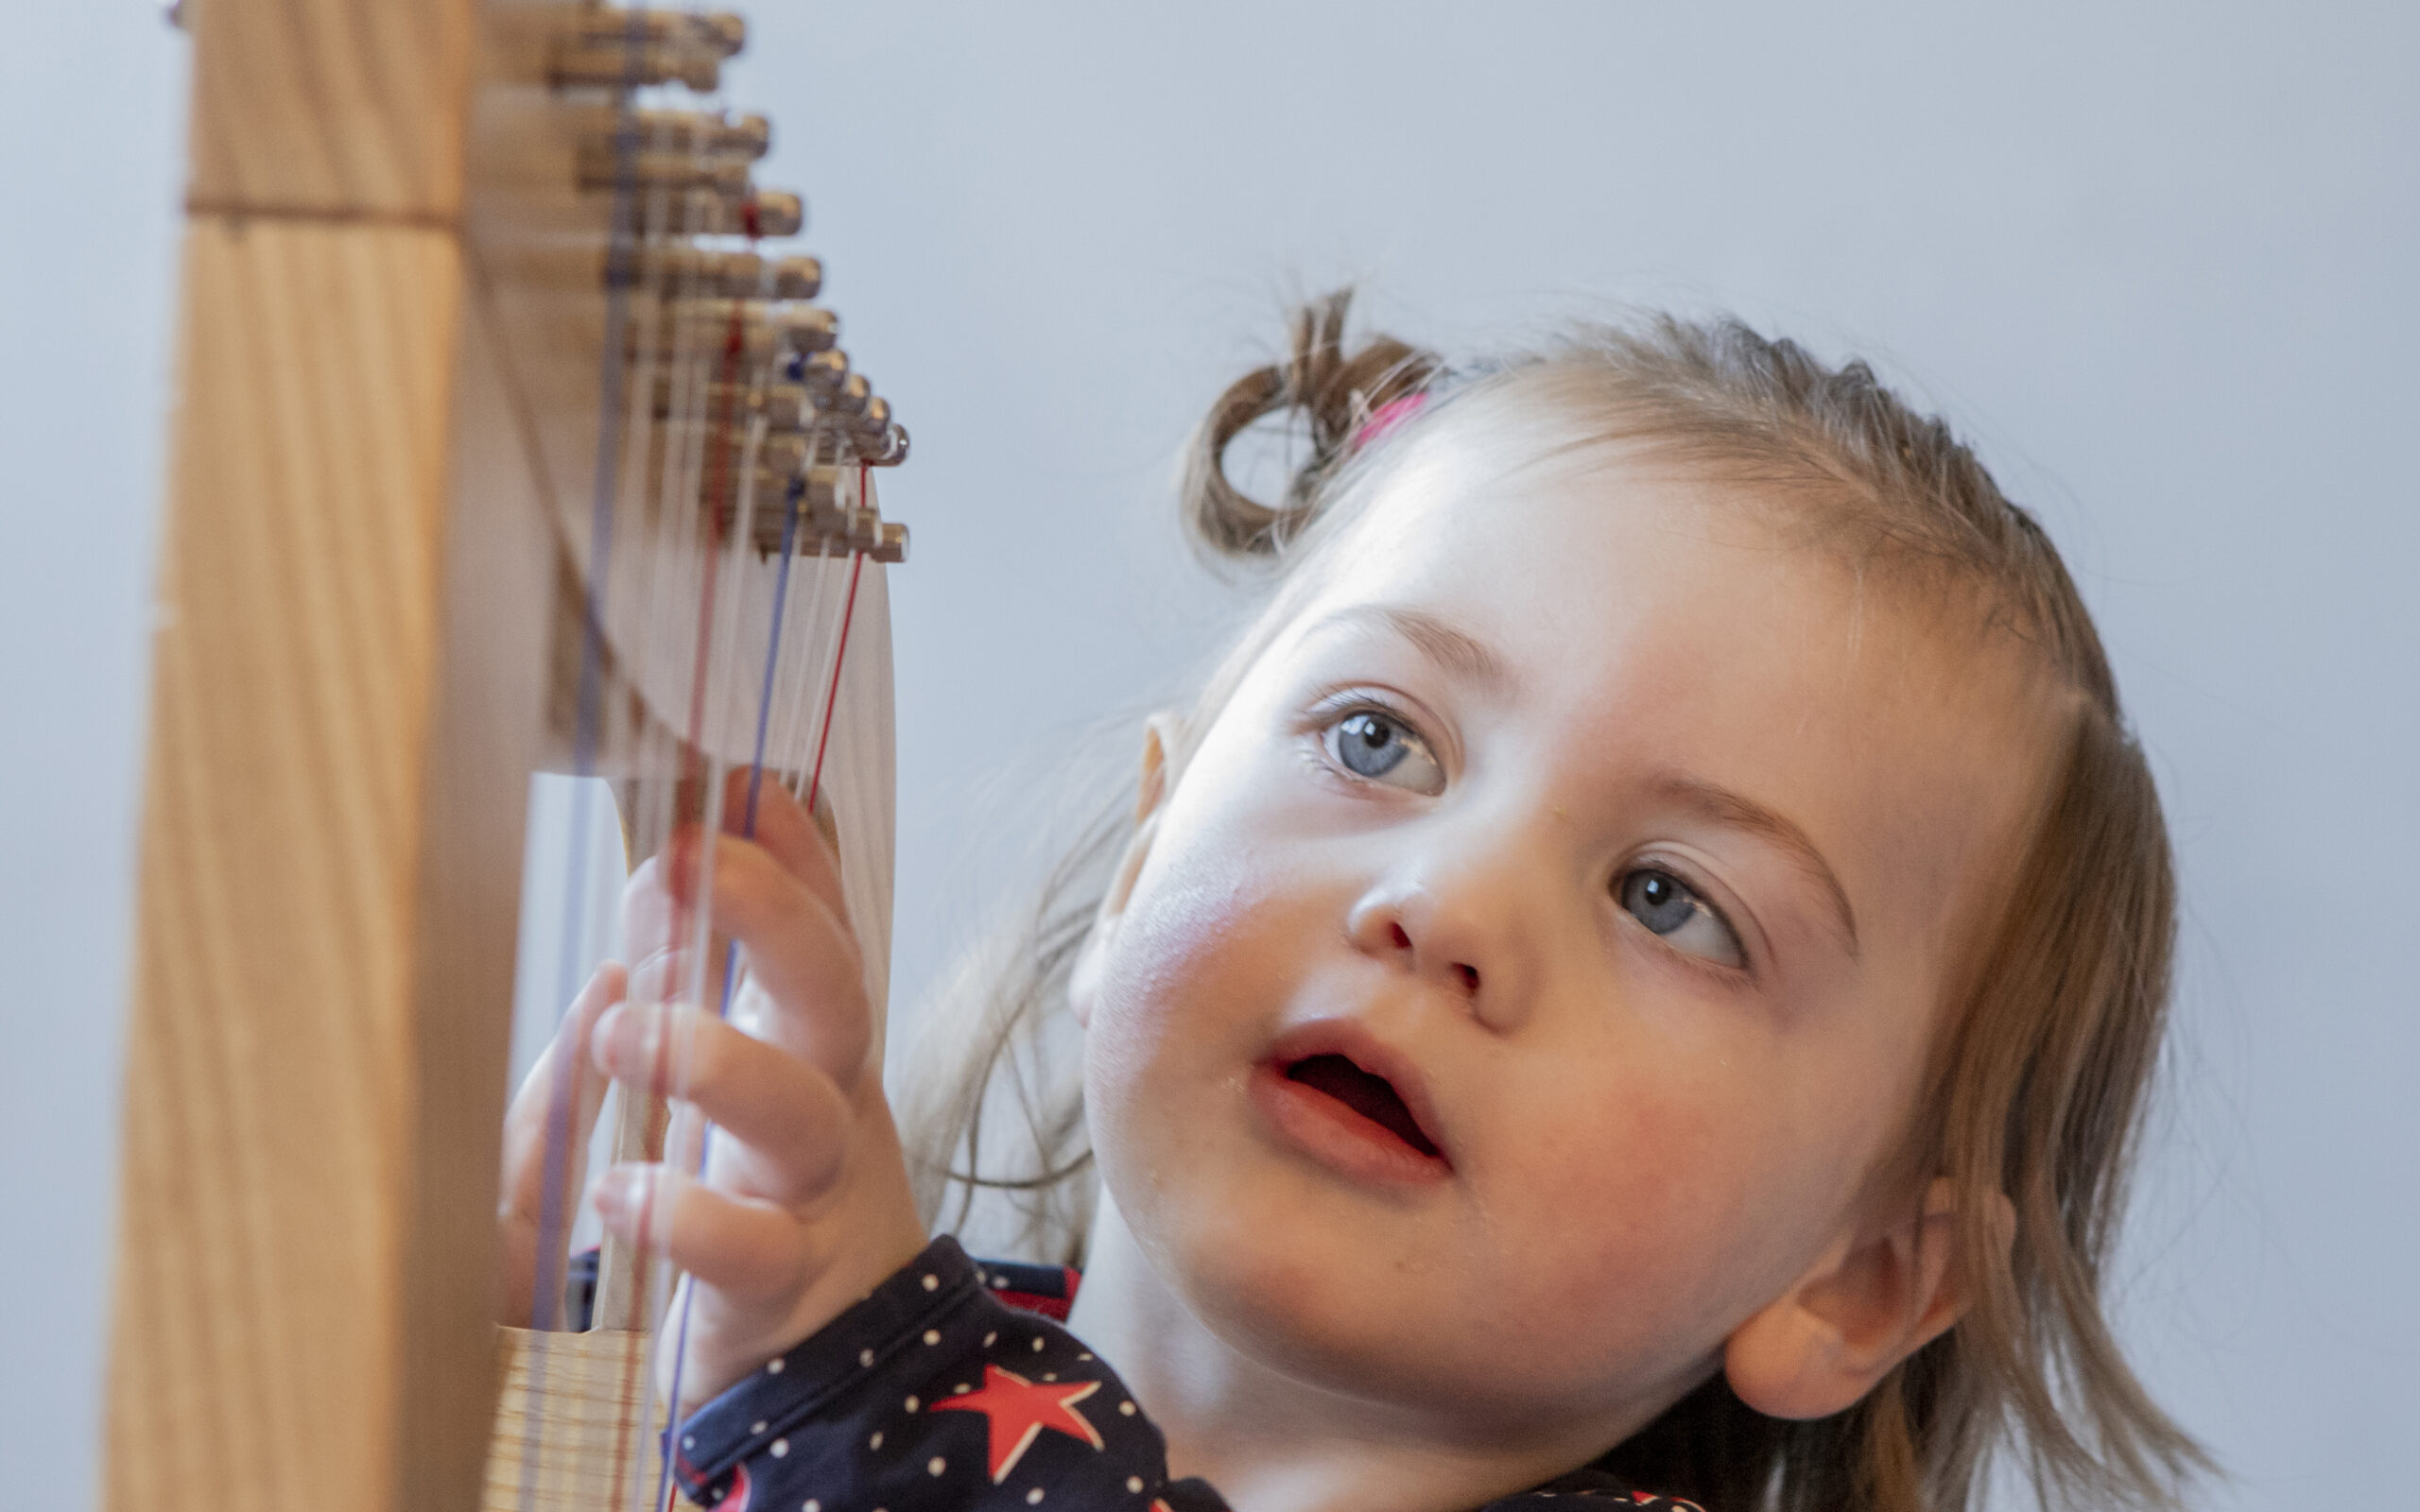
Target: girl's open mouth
(1341,1098)
(1372,1096)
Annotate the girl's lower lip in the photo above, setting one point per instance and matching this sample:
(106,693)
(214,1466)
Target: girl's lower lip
(1338,1138)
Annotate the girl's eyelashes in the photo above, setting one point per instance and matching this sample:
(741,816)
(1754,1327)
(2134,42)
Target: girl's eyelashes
(1674,911)
(1377,746)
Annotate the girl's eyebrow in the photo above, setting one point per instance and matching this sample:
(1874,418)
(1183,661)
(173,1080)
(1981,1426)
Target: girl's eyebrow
(1454,650)
(1723,806)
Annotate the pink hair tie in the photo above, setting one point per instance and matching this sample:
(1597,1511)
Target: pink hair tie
(1387,418)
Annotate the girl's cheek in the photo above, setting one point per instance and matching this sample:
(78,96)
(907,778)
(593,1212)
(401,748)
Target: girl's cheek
(1645,1202)
(1185,946)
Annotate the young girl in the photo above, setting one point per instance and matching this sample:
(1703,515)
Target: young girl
(1636,978)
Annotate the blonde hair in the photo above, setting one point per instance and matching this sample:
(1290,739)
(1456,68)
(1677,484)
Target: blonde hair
(2036,1084)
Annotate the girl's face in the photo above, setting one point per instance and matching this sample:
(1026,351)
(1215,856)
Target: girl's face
(1538,954)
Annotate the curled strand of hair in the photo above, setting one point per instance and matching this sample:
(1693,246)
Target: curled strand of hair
(1332,391)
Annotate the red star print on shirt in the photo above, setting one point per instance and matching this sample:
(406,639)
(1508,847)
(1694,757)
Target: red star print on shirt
(1018,1410)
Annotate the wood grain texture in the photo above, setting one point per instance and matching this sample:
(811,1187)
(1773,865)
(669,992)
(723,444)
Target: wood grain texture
(347,691)
(256,1357)
(331,107)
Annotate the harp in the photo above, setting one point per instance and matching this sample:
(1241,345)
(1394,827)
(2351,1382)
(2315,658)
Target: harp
(507,443)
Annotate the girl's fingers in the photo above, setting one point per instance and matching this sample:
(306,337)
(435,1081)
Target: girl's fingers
(543,1122)
(786,1113)
(545,1146)
(782,825)
(799,951)
(751,1250)
(667,976)
(646,911)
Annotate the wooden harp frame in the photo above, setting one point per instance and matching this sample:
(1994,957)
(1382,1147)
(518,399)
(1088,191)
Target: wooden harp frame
(388,387)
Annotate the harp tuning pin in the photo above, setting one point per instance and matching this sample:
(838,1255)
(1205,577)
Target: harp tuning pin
(786,407)
(784,455)
(723,29)
(891,448)
(805,328)
(712,133)
(819,372)
(604,169)
(580,67)
(771,213)
(748,329)
(612,48)
(846,399)
(750,136)
(797,277)
(869,416)
(753,212)
(720,33)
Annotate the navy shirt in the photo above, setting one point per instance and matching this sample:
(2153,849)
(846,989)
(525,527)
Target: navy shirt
(954,1388)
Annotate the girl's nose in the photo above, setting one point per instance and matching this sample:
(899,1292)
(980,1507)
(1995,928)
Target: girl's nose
(1443,938)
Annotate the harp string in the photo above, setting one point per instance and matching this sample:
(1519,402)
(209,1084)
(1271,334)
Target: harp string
(717,624)
(685,439)
(667,602)
(623,273)
(621,258)
(665,1485)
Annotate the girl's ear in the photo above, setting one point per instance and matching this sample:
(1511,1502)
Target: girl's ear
(1869,1301)
(1083,981)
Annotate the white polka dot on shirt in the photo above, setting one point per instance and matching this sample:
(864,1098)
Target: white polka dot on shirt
(932,1336)
(812,1505)
(1037,1345)
(932,1283)
(1133,1483)
(781,1446)
(1125,1409)
(758,1426)
(911,1404)
(936,1465)
(865,1357)
(988,1338)
(876,1442)
(1033,1497)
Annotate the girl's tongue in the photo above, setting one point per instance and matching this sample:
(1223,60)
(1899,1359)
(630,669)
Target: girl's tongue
(1373,1097)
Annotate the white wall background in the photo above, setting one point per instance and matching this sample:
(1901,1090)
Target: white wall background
(2158,258)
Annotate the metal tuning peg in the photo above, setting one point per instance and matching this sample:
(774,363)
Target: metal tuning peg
(754,213)
(603,169)
(606,47)
(750,329)
(795,278)
(819,372)
(712,133)
(892,450)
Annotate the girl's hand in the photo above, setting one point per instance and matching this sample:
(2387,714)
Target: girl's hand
(805,1203)
(523,1214)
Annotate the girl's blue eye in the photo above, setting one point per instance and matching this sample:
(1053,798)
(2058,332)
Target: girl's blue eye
(1671,908)
(1384,749)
